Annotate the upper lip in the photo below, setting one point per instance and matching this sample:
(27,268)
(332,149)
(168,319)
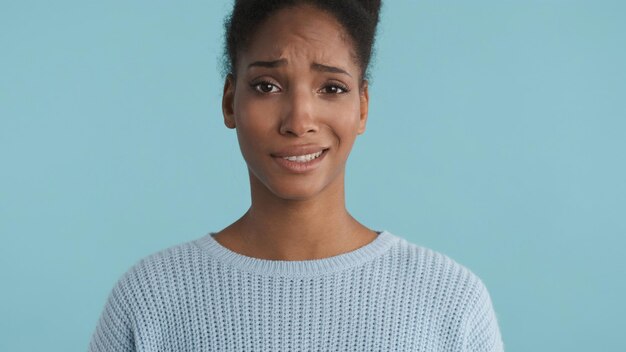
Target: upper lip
(296,150)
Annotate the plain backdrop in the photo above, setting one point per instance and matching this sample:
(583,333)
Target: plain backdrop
(496,136)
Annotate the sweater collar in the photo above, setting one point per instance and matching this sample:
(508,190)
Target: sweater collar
(313,267)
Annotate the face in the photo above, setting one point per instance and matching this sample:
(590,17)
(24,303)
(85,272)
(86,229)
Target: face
(297,92)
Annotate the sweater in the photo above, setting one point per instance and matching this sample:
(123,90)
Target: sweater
(388,295)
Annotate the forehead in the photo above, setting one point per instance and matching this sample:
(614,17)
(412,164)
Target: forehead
(301,33)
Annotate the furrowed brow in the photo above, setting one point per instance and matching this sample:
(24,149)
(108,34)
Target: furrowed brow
(314,66)
(268,64)
(324,68)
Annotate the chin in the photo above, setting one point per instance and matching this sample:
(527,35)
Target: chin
(294,191)
(291,187)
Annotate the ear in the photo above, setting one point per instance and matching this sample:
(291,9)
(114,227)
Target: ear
(228,100)
(364,98)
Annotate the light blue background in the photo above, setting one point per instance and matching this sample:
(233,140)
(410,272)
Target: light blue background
(496,135)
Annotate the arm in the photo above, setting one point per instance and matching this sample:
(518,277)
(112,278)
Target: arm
(114,330)
(481,332)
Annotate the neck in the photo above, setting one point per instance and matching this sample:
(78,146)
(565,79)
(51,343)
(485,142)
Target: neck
(284,229)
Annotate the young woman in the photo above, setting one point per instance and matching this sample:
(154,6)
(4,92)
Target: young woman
(297,272)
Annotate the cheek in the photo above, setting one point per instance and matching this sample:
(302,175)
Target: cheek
(253,120)
(259,115)
(254,125)
(250,136)
(345,124)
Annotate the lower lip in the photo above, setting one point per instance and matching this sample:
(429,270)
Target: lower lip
(299,168)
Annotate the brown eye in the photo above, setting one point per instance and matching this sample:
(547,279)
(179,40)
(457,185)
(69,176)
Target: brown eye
(334,89)
(265,87)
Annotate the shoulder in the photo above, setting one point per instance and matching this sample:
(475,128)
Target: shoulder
(439,280)
(167,267)
(439,269)
(145,289)
(457,293)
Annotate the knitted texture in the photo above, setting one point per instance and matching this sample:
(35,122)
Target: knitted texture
(389,295)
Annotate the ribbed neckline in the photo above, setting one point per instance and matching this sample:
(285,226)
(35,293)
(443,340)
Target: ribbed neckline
(321,266)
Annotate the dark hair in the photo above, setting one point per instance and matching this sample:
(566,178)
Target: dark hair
(358,17)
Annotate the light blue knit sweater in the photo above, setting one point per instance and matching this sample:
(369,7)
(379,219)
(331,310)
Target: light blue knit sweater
(389,295)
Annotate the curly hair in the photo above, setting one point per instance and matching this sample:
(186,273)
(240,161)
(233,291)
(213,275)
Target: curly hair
(359,18)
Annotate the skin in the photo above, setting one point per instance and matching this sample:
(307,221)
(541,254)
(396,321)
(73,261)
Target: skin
(296,216)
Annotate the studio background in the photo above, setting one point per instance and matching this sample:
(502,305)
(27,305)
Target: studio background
(496,135)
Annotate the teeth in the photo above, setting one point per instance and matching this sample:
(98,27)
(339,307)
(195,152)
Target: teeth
(303,158)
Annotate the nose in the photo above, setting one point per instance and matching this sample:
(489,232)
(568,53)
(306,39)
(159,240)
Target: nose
(299,116)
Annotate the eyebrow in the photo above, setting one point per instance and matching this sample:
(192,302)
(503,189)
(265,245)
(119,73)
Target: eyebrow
(314,66)
(325,68)
(268,64)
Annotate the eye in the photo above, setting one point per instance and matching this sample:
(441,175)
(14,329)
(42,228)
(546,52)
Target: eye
(265,87)
(335,89)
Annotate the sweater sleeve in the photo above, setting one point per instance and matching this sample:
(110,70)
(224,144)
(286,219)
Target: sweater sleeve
(481,331)
(114,332)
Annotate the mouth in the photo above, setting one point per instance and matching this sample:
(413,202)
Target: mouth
(306,157)
(301,163)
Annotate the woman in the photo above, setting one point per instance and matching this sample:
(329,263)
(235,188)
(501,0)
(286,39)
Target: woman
(297,271)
